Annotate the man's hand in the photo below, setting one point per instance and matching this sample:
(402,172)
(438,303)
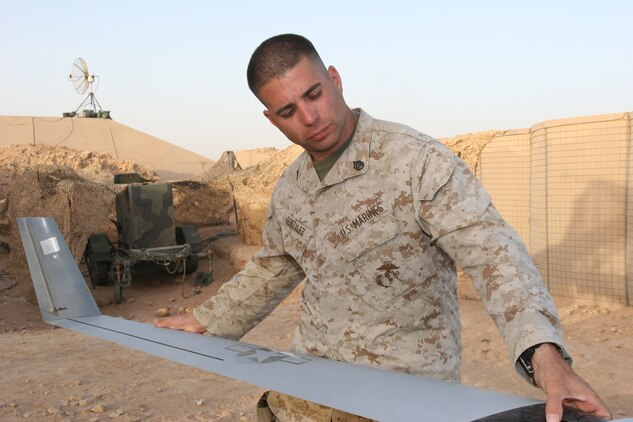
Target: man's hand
(563,386)
(184,322)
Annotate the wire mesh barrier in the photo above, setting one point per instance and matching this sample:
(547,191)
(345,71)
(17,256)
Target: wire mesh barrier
(504,168)
(566,186)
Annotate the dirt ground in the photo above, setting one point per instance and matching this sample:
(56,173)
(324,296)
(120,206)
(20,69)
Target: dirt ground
(56,375)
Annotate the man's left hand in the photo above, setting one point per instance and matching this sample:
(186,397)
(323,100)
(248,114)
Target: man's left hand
(563,386)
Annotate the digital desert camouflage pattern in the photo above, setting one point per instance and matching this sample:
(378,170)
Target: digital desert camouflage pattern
(145,215)
(282,407)
(291,409)
(378,241)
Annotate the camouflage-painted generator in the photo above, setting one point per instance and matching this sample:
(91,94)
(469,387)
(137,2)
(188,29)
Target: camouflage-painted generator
(146,232)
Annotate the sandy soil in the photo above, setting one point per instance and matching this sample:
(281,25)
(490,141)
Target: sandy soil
(56,375)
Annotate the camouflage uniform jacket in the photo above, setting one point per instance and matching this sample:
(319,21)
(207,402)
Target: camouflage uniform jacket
(377,241)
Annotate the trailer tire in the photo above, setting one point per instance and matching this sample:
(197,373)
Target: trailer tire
(99,272)
(191,264)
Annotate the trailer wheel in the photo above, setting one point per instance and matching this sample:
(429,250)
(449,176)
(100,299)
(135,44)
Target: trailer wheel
(99,272)
(191,264)
(190,234)
(98,256)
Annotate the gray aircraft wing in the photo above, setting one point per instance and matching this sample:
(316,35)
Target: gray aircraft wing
(65,301)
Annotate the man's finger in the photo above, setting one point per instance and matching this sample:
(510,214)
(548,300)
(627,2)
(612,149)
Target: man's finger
(554,408)
(160,322)
(592,405)
(183,322)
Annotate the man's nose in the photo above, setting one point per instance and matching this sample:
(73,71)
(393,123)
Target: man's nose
(308,115)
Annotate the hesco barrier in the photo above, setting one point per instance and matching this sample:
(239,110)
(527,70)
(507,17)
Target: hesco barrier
(504,168)
(566,187)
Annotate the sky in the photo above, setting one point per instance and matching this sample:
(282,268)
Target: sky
(176,69)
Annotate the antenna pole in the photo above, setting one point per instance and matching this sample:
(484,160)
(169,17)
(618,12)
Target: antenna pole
(83,81)
(90,100)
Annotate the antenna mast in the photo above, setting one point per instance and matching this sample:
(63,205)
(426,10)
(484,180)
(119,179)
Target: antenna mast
(82,81)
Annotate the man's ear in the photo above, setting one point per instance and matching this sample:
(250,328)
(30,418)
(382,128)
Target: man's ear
(270,117)
(336,77)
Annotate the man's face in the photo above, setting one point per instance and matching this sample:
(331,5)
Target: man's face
(307,105)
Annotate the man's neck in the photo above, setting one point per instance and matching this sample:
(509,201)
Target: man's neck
(324,165)
(346,135)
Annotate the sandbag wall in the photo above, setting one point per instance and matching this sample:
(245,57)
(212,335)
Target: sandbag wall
(577,180)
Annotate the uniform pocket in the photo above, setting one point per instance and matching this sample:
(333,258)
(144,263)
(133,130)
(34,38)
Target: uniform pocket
(375,262)
(371,237)
(296,243)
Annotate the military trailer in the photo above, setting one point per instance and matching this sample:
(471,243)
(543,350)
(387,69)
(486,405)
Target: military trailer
(147,232)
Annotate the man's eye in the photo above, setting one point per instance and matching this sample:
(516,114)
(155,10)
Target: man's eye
(287,113)
(314,95)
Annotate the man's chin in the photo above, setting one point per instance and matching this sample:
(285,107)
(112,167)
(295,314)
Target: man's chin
(320,152)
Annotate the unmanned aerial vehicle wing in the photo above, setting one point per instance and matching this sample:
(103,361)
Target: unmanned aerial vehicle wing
(65,301)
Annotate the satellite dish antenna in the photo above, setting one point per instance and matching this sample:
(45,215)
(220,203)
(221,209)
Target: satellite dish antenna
(83,82)
(80,77)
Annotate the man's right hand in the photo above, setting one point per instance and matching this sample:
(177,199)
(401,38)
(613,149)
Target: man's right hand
(183,322)
(563,386)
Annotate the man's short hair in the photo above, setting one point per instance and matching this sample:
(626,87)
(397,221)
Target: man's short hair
(276,56)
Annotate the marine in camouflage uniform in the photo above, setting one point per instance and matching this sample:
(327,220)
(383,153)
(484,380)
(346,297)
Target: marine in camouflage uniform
(378,240)
(377,237)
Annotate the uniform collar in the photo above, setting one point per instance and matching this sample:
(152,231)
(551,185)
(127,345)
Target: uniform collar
(354,161)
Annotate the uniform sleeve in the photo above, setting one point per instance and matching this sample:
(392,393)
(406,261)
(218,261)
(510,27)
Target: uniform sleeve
(456,211)
(253,293)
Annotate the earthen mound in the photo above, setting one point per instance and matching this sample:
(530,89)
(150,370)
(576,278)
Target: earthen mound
(226,165)
(89,165)
(79,207)
(469,146)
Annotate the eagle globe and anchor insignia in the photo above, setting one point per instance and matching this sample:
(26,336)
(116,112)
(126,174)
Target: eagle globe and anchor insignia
(389,274)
